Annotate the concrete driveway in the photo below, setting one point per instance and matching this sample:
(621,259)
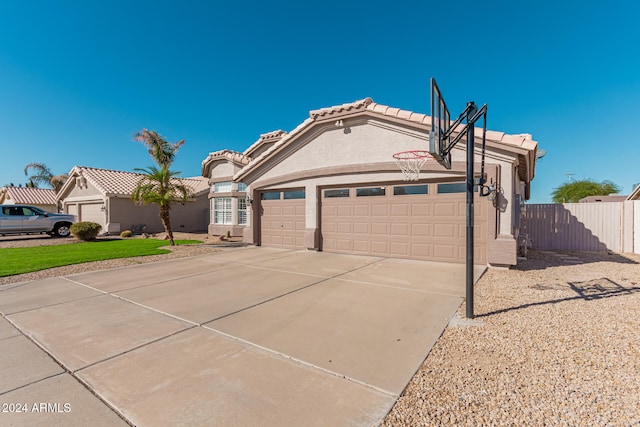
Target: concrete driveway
(247,336)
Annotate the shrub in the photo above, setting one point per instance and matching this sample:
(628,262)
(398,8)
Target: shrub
(126,233)
(85,230)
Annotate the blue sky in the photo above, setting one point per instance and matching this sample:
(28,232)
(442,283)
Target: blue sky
(78,78)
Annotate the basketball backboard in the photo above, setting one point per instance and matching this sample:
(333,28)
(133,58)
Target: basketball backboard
(440,123)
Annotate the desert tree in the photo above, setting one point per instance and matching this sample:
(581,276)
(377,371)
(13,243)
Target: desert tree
(573,191)
(42,175)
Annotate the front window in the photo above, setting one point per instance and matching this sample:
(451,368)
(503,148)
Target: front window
(242,211)
(222,187)
(222,210)
(242,186)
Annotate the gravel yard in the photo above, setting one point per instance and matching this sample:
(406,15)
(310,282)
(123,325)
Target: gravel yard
(558,344)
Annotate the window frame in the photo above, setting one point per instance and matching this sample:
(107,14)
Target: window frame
(222,215)
(222,187)
(425,186)
(336,193)
(361,192)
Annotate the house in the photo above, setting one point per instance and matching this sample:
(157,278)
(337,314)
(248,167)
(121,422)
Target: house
(610,198)
(43,198)
(635,194)
(331,184)
(104,196)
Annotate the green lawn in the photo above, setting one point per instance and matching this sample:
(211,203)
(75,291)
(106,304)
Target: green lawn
(25,260)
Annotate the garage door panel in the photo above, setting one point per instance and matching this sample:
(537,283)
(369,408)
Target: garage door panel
(283,223)
(422,226)
(421,209)
(362,210)
(421,251)
(421,230)
(92,212)
(380,210)
(399,210)
(380,247)
(445,252)
(344,245)
(380,228)
(445,209)
(342,210)
(400,249)
(445,230)
(400,229)
(362,246)
(344,227)
(362,228)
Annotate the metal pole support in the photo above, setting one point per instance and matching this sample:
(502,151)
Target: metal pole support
(470,181)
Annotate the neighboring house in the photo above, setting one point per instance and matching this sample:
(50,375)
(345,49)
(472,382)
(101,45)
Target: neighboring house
(612,198)
(635,194)
(44,198)
(104,196)
(331,184)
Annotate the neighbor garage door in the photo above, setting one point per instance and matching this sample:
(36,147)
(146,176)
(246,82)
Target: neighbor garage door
(421,221)
(282,218)
(92,212)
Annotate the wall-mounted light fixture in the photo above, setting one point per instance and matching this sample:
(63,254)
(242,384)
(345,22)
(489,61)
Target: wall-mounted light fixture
(249,199)
(103,208)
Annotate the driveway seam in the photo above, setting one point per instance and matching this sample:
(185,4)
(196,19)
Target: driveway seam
(49,305)
(141,286)
(401,288)
(135,348)
(34,382)
(70,372)
(302,362)
(323,279)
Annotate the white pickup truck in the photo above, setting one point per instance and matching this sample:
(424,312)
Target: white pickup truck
(23,219)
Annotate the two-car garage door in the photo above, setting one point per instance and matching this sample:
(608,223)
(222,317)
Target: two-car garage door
(418,221)
(422,221)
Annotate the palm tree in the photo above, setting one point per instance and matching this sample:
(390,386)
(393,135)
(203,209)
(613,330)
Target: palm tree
(160,150)
(43,175)
(159,184)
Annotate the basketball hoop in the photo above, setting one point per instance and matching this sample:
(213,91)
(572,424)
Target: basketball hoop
(410,163)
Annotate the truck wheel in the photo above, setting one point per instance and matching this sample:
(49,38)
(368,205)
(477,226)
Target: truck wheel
(61,230)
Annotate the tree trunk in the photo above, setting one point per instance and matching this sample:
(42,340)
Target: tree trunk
(166,222)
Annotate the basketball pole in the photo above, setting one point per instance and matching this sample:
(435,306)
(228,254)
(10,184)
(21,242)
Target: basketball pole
(471,111)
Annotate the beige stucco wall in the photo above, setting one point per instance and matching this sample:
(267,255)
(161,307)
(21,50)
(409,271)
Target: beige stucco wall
(87,191)
(188,218)
(362,152)
(222,170)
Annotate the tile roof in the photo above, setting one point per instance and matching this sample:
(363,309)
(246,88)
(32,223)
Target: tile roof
(121,183)
(522,141)
(635,194)
(229,155)
(265,138)
(28,196)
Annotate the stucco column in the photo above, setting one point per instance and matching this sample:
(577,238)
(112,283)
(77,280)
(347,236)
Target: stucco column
(311,232)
